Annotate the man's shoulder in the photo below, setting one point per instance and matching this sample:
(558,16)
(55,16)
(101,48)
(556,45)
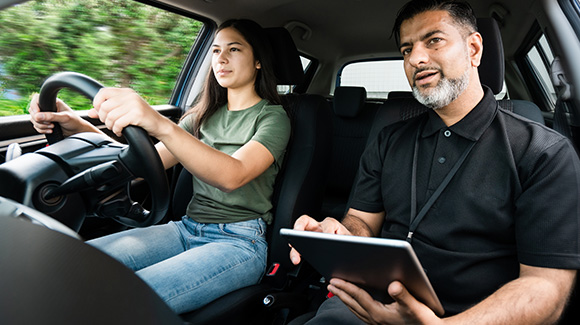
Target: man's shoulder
(533,144)
(527,133)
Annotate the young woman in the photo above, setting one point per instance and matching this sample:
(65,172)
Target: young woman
(232,141)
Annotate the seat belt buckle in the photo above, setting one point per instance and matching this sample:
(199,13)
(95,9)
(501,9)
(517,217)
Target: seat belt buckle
(273,269)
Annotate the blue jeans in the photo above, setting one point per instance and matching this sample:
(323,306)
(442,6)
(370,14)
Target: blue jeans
(189,264)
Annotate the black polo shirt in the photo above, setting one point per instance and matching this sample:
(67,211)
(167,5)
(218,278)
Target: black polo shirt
(513,200)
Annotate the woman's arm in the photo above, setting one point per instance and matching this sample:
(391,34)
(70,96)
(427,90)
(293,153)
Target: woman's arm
(213,166)
(118,108)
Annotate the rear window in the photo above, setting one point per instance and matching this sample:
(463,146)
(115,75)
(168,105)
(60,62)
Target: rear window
(119,43)
(378,77)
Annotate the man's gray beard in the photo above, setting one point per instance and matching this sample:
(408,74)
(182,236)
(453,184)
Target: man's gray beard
(446,91)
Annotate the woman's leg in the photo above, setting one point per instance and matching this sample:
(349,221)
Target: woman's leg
(141,247)
(233,257)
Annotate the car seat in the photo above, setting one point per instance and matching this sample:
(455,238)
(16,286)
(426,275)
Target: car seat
(351,125)
(298,190)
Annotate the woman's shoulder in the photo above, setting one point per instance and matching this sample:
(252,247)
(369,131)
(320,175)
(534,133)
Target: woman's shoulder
(187,121)
(273,109)
(270,106)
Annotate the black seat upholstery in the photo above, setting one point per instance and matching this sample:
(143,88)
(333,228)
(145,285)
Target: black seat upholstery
(298,190)
(491,68)
(351,120)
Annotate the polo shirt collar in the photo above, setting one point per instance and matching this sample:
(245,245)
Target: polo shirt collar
(472,125)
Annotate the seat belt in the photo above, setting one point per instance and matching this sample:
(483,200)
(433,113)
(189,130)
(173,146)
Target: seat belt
(564,93)
(506,104)
(416,218)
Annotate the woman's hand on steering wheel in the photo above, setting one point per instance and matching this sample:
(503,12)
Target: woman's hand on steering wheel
(70,122)
(139,159)
(120,107)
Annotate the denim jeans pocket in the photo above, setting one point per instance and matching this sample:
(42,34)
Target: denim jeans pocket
(253,230)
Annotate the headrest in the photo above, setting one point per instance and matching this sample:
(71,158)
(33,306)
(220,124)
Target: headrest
(492,67)
(399,94)
(348,101)
(287,64)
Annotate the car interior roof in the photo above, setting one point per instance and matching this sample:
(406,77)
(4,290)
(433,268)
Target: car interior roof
(329,21)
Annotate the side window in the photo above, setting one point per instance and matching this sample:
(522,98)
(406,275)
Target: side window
(119,43)
(378,77)
(540,58)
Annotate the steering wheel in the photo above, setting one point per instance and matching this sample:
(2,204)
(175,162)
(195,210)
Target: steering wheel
(138,160)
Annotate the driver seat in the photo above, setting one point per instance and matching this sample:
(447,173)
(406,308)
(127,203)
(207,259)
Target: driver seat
(298,190)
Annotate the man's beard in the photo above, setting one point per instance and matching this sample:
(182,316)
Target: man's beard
(446,91)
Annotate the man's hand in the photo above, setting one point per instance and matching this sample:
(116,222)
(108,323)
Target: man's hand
(307,223)
(405,310)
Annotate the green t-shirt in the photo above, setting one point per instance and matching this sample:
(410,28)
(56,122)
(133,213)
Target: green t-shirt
(227,131)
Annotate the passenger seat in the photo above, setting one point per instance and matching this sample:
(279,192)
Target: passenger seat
(351,125)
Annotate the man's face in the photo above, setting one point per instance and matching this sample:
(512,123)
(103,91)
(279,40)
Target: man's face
(436,58)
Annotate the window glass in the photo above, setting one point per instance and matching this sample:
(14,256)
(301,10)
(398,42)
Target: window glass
(305,62)
(543,44)
(540,58)
(378,77)
(120,43)
(381,77)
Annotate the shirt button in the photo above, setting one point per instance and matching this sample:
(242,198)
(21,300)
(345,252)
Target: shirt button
(447,133)
(441,160)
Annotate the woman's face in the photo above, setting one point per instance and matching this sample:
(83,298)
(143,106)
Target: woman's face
(233,62)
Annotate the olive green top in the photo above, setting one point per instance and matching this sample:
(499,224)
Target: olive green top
(227,131)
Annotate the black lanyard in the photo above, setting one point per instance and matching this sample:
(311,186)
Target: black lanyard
(416,218)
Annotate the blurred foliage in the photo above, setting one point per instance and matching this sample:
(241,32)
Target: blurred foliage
(120,43)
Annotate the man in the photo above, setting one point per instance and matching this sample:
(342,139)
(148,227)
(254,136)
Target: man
(500,243)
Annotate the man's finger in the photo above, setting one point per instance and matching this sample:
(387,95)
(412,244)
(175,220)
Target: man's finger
(307,223)
(336,287)
(400,294)
(295,257)
(411,309)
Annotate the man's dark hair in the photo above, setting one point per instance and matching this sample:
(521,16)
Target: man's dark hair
(460,11)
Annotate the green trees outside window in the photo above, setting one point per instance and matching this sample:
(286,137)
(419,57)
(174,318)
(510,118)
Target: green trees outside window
(120,43)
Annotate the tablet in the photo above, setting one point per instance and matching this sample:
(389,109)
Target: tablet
(371,263)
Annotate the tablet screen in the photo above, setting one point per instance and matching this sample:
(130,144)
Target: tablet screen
(371,263)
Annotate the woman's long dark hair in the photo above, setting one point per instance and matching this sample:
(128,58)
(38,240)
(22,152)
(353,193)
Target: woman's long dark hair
(214,96)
